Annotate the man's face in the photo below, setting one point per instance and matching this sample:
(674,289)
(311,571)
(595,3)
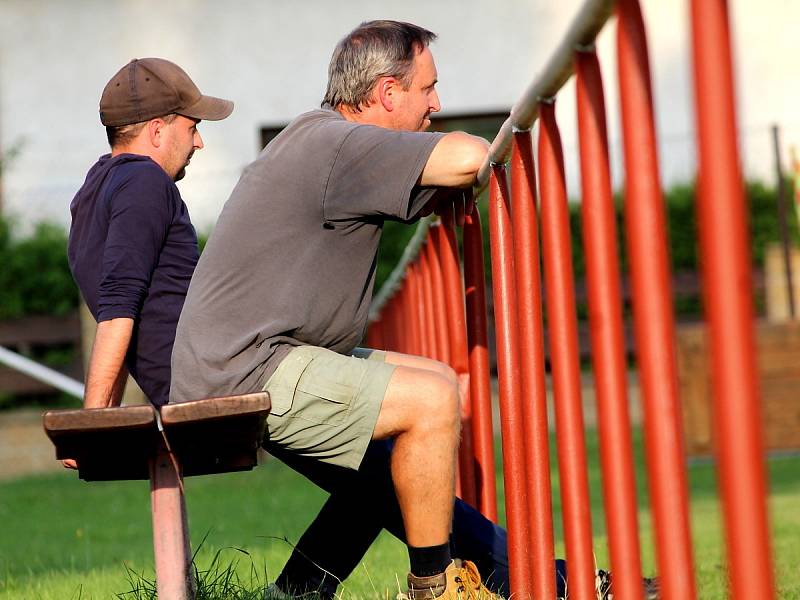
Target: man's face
(413,106)
(181,139)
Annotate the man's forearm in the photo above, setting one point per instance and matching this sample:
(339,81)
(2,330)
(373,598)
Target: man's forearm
(455,160)
(105,379)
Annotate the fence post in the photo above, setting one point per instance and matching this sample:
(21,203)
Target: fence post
(479,380)
(728,292)
(419,299)
(459,360)
(441,325)
(427,293)
(654,325)
(564,358)
(607,335)
(531,348)
(417,331)
(511,416)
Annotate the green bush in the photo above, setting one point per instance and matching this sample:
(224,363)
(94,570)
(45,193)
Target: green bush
(682,224)
(35,278)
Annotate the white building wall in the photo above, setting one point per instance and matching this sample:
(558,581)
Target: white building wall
(271,58)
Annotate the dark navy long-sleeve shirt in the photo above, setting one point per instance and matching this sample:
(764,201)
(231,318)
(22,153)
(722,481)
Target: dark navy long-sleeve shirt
(132,251)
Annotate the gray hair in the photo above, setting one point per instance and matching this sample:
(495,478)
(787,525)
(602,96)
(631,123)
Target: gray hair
(373,50)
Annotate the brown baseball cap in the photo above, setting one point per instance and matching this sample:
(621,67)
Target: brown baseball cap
(147,88)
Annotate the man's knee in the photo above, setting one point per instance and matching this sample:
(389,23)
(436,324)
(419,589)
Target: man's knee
(443,402)
(421,362)
(419,399)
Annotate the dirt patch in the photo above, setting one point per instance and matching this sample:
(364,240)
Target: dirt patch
(24,446)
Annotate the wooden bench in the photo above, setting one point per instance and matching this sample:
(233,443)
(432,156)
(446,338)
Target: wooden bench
(216,435)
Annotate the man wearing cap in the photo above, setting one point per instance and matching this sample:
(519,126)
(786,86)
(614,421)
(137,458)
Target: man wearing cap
(280,297)
(132,248)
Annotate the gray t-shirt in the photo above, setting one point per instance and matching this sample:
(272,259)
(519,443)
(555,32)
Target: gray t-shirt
(292,258)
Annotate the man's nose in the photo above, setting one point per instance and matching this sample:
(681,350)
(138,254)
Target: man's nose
(198,141)
(435,106)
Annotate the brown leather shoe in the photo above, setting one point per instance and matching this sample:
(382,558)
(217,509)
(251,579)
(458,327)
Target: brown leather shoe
(460,581)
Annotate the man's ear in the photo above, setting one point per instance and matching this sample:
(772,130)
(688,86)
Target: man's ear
(155,129)
(385,91)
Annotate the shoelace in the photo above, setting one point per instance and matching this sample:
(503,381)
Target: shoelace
(602,585)
(468,576)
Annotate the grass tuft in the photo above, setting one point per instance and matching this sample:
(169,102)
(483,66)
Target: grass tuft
(219,581)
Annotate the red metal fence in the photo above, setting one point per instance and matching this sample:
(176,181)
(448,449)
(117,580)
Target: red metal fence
(426,308)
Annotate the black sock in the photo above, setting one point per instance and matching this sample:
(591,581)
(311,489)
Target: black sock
(430,560)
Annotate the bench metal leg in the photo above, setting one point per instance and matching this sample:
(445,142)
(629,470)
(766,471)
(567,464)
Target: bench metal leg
(170,531)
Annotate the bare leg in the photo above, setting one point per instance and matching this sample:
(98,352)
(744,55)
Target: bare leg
(420,410)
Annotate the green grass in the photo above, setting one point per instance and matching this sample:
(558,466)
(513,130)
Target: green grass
(64,539)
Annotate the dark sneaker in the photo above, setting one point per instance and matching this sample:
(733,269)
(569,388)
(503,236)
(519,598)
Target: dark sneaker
(604,590)
(602,585)
(461,581)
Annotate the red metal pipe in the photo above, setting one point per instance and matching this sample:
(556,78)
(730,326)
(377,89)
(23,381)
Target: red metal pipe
(511,415)
(392,341)
(479,378)
(429,333)
(399,315)
(607,334)
(397,323)
(564,358)
(441,321)
(414,319)
(459,359)
(531,336)
(407,318)
(375,337)
(728,292)
(424,329)
(437,288)
(387,324)
(654,326)
(454,292)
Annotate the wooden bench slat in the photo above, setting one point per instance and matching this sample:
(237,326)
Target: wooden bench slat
(217,435)
(214,408)
(83,420)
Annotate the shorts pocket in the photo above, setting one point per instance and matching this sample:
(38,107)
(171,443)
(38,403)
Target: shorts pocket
(282,384)
(326,390)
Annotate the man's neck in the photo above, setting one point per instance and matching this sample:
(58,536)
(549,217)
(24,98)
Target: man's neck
(138,149)
(372,114)
(132,148)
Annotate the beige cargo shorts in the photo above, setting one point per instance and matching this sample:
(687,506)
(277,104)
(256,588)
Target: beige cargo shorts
(326,404)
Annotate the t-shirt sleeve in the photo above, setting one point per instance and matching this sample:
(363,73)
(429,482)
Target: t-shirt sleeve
(375,173)
(140,213)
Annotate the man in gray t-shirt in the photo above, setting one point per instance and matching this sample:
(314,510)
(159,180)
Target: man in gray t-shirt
(279,299)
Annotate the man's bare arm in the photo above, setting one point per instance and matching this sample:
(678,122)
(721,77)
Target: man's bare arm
(105,380)
(455,160)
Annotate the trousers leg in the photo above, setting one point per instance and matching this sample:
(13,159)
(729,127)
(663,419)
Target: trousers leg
(359,507)
(361,504)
